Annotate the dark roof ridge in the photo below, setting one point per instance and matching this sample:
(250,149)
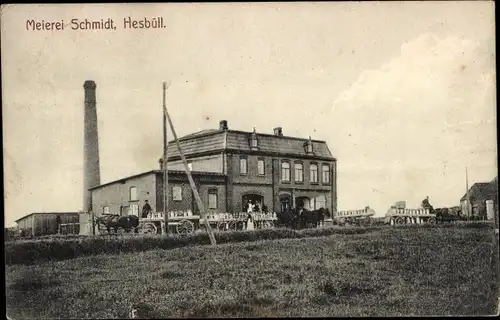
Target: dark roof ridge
(199,134)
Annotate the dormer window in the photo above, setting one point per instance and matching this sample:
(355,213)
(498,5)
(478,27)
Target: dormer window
(308,146)
(254,141)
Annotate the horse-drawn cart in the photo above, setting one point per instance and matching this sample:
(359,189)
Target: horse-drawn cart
(186,222)
(178,222)
(400,216)
(239,220)
(360,217)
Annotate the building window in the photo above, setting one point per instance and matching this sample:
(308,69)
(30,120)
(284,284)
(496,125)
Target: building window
(177,193)
(190,165)
(133,193)
(243,165)
(320,202)
(254,142)
(134,209)
(261,167)
(285,171)
(299,172)
(212,199)
(308,146)
(105,210)
(326,173)
(313,172)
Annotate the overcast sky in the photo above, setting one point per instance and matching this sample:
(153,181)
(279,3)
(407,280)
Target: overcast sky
(403,93)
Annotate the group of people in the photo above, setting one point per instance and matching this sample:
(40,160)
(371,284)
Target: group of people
(256,207)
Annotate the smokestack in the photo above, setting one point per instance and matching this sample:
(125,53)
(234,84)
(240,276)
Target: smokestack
(91,172)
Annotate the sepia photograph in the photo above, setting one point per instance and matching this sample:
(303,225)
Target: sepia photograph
(250,160)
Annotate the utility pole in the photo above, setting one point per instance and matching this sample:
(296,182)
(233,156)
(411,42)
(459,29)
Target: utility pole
(191,182)
(165,167)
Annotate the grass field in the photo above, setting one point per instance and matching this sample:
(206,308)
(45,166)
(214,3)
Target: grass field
(385,272)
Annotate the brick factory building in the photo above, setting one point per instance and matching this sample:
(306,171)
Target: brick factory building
(230,168)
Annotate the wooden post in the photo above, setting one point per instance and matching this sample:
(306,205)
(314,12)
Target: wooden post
(165,169)
(191,181)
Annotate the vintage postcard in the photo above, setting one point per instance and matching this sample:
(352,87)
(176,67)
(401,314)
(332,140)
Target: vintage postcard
(294,159)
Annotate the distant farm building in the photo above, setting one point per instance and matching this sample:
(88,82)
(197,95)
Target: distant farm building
(231,168)
(479,193)
(45,223)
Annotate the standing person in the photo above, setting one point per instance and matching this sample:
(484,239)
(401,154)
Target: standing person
(250,224)
(257,207)
(146,210)
(250,206)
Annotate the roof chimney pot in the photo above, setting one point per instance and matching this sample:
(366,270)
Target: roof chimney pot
(223,125)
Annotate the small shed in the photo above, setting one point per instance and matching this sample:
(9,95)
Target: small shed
(45,223)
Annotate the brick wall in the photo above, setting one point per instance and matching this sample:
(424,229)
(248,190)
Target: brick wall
(188,202)
(206,164)
(117,195)
(240,190)
(252,175)
(272,184)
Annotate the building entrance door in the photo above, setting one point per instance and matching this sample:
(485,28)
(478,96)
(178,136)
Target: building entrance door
(255,199)
(303,202)
(285,202)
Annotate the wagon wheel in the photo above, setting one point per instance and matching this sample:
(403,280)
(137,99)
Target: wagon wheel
(148,227)
(102,228)
(431,220)
(185,227)
(232,225)
(221,226)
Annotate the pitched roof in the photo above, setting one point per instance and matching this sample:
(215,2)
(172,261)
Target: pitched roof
(483,191)
(38,213)
(220,140)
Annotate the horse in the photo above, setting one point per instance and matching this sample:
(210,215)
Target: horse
(114,221)
(288,218)
(311,218)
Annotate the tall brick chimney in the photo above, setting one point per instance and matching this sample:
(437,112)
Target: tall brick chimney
(91,171)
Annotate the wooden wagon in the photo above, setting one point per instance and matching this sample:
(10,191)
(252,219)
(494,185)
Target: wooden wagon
(400,216)
(178,222)
(238,220)
(186,222)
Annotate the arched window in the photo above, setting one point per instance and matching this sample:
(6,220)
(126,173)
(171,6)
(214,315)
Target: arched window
(212,199)
(313,173)
(285,171)
(243,165)
(133,193)
(326,173)
(177,193)
(299,172)
(261,166)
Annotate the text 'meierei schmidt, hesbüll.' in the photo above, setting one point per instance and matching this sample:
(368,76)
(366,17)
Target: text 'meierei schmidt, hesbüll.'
(101,24)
